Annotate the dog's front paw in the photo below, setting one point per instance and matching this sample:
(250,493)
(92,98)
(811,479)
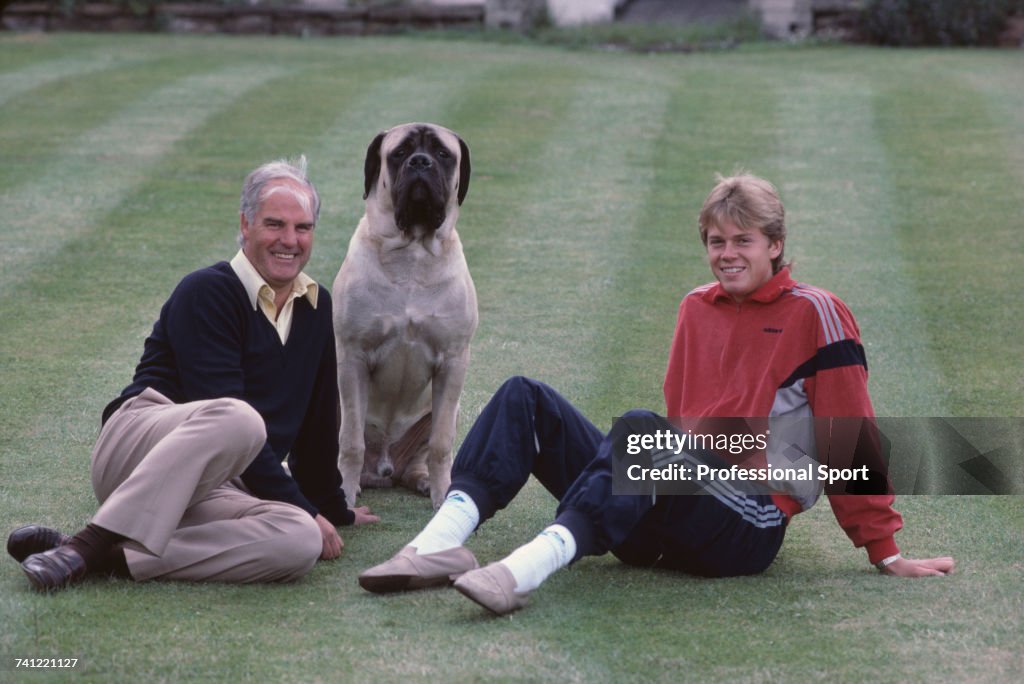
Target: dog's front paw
(439,483)
(423,487)
(351,493)
(350,471)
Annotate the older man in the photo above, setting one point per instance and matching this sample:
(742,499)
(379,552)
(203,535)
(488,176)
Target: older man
(237,374)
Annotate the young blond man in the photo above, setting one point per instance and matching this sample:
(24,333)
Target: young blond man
(753,343)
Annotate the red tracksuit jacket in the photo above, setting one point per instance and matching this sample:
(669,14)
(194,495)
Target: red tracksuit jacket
(789,349)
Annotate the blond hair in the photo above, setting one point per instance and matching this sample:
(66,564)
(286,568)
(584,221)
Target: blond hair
(747,202)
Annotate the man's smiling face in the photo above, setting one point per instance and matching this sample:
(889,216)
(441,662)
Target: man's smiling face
(279,240)
(740,259)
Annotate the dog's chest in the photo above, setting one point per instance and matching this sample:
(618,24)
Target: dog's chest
(403,362)
(413,333)
(417,306)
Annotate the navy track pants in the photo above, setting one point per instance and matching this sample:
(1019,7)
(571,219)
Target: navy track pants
(528,428)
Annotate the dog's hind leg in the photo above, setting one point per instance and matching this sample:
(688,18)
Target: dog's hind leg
(410,457)
(377,467)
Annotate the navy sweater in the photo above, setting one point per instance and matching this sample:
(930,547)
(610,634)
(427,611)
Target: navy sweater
(209,342)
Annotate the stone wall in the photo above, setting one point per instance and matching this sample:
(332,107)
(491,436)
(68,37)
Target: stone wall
(800,18)
(784,18)
(514,14)
(208,18)
(580,12)
(312,18)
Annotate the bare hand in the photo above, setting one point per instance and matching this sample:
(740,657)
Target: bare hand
(332,544)
(924,567)
(364,516)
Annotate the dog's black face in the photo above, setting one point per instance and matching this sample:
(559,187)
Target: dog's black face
(420,167)
(421,163)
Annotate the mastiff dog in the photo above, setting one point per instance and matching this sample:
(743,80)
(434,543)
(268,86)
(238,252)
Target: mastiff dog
(404,314)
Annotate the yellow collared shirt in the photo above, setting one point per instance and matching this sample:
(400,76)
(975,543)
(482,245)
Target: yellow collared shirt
(262,295)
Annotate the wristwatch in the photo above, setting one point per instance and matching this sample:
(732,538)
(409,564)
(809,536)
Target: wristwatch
(886,562)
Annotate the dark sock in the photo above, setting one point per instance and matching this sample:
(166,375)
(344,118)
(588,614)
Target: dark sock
(96,545)
(118,564)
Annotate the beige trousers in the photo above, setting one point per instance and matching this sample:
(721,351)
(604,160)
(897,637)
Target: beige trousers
(167,478)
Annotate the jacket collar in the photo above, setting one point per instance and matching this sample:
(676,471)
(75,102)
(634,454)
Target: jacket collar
(779,284)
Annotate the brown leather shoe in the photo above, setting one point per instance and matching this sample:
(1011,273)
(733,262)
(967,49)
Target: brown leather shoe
(54,569)
(30,539)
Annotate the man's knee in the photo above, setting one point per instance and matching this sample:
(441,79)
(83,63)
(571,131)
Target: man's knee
(517,388)
(239,425)
(521,391)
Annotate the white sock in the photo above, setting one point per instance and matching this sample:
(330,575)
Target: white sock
(532,563)
(451,526)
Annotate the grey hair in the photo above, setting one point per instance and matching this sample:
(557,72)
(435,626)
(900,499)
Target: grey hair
(254,190)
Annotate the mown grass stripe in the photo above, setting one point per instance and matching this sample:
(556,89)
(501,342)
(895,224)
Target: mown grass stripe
(107,162)
(840,207)
(623,360)
(957,181)
(555,260)
(38,129)
(1004,95)
(18,83)
(708,104)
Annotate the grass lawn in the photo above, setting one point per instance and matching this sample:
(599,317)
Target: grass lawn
(121,159)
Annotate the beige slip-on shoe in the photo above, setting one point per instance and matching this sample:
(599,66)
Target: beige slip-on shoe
(408,570)
(493,587)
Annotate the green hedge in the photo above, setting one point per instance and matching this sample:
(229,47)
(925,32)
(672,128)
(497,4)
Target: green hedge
(937,22)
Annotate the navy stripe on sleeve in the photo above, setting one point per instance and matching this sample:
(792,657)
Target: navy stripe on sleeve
(836,355)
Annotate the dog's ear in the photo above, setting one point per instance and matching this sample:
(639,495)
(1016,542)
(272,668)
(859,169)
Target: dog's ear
(464,169)
(371,167)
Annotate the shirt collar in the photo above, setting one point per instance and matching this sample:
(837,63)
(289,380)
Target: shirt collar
(779,284)
(254,284)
